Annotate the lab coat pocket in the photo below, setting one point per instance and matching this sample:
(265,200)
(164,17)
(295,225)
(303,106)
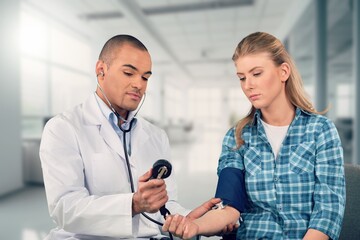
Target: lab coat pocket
(108,174)
(302,158)
(252,161)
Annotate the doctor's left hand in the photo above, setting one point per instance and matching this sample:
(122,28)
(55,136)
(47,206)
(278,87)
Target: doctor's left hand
(203,208)
(150,196)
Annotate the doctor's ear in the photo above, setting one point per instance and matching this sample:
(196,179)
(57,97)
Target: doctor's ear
(100,68)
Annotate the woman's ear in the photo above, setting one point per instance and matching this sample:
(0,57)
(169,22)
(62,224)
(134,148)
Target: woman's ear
(285,71)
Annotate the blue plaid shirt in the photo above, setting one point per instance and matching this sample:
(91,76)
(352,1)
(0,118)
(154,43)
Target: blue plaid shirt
(304,187)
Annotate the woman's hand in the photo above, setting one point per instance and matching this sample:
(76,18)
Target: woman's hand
(229,228)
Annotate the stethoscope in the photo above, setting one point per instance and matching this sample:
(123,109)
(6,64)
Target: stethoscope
(125,131)
(128,131)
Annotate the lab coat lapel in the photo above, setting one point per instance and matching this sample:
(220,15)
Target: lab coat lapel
(140,134)
(94,116)
(111,138)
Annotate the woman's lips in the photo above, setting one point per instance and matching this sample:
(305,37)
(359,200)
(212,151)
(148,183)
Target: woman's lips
(254,97)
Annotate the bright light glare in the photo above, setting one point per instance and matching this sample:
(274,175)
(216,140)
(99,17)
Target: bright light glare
(31,234)
(33,36)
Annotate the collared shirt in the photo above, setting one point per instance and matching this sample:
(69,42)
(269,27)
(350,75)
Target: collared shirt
(113,119)
(303,188)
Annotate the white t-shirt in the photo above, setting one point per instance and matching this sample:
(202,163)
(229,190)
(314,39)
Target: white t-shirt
(275,135)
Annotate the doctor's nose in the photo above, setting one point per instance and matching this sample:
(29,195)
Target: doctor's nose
(138,83)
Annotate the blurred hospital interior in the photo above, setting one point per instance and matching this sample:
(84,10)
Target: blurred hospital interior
(48,55)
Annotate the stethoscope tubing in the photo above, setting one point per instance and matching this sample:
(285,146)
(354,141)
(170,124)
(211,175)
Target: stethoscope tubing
(125,131)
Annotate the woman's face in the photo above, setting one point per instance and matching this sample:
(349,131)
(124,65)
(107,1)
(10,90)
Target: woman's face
(262,82)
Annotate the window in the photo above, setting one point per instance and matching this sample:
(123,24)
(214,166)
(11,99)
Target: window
(55,70)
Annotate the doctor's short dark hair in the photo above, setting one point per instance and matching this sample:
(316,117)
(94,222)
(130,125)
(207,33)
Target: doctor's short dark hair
(106,54)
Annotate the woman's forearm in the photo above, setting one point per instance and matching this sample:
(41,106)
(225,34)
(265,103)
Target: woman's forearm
(313,234)
(216,220)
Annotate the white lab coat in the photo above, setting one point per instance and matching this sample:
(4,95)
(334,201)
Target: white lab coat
(85,175)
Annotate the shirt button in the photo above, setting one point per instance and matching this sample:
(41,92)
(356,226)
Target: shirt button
(279,208)
(275,179)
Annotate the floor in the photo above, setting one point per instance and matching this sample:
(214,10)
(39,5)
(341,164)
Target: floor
(24,214)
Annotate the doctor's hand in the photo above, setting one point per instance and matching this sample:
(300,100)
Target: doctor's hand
(150,196)
(185,227)
(181,227)
(203,208)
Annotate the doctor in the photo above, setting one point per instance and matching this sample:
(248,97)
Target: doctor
(86,177)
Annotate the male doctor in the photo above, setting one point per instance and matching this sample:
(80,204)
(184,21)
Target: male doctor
(86,177)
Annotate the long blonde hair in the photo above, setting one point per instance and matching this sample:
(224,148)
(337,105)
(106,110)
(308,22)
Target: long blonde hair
(260,42)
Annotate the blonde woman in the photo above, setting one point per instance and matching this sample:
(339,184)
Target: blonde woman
(289,155)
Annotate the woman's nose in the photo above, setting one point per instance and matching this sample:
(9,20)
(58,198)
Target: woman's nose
(248,83)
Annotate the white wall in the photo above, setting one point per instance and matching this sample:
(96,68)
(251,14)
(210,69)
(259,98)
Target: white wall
(10,125)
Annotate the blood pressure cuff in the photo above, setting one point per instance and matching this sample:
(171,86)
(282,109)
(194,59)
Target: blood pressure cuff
(231,188)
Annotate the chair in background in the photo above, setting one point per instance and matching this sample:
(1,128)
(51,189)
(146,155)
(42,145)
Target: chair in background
(351,224)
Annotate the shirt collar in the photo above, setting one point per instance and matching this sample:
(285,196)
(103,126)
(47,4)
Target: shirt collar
(298,112)
(257,117)
(110,115)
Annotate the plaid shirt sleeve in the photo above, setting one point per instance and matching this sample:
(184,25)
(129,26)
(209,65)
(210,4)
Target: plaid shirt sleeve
(230,156)
(329,193)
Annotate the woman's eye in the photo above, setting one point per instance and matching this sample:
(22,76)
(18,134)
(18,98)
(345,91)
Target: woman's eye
(257,74)
(128,73)
(242,78)
(145,78)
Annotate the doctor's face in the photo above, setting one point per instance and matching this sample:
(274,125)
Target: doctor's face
(125,79)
